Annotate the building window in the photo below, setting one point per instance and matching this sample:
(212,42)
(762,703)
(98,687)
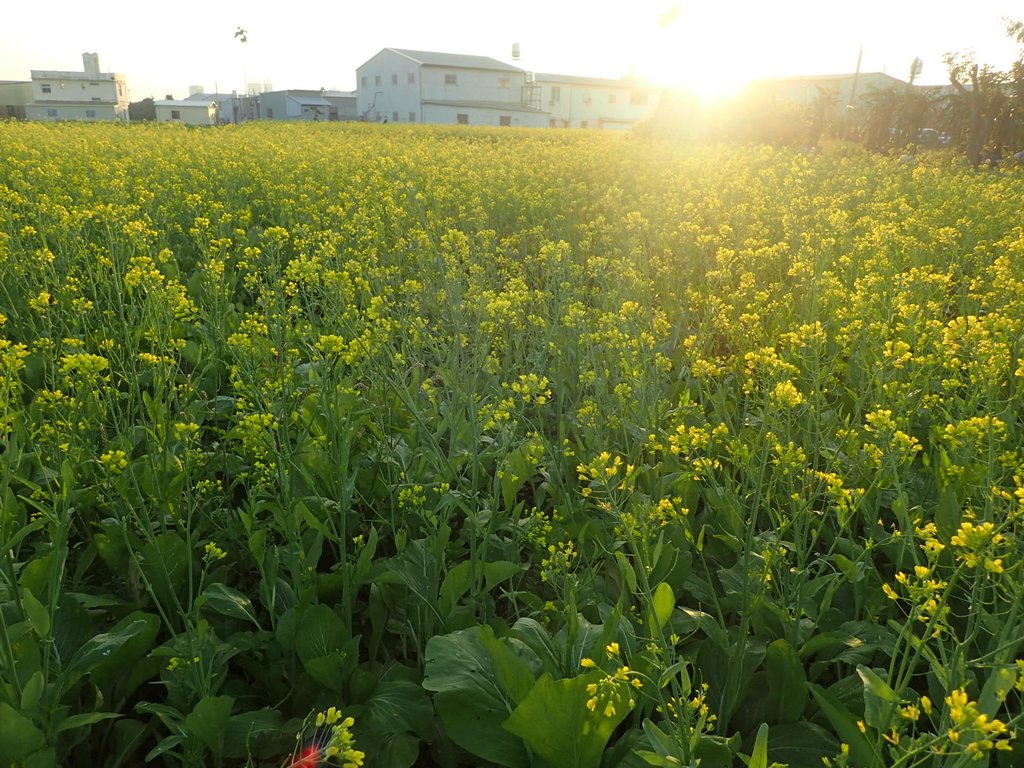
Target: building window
(91,83)
(412,78)
(96,98)
(90,113)
(556,94)
(394,79)
(51,113)
(503,82)
(47,88)
(412,117)
(611,98)
(505,120)
(175,114)
(462,118)
(553,123)
(583,123)
(394,116)
(450,80)
(376,79)
(83,86)
(270,113)
(364,81)
(637,98)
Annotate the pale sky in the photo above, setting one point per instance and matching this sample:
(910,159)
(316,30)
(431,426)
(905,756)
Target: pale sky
(708,45)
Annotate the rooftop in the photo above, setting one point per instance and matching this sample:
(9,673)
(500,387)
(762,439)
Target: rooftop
(435,59)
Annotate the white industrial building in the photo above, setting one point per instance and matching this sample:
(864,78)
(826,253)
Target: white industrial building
(405,86)
(186,112)
(592,102)
(86,95)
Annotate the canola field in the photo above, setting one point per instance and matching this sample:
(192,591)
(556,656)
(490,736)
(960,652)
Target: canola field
(359,445)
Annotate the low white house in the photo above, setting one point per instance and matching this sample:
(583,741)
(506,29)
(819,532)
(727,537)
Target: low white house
(186,112)
(405,86)
(594,102)
(86,95)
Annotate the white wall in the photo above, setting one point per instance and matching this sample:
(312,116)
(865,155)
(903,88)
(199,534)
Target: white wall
(598,105)
(383,88)
(472,85)
(444,114)
(188,114)
(70,112)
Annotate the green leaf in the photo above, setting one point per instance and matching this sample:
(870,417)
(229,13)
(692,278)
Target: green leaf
(36,612)
(845,724)
(397,706)
(663,602)
(255,733)
(32,692)
(164,562)
(471,698)
(801,745)
(879,699)
(787,683)
(84,719)
(999,683)
(759,755)
(99,649)
(222,599)
(208,721)
(556,724)
(19,736)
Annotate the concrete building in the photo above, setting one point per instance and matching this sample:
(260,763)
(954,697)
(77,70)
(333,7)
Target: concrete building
(186,111)
(15,95)
(312,106)
(405,86)
(87,95)
(593,102)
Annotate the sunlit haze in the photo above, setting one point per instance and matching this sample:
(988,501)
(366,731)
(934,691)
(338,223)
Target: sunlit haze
(707,47)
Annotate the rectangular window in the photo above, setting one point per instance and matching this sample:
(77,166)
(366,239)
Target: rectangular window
(394,79)
(96,98)
(462,118)
(175,114)
(90,113)
(51,113)
(92,84)
(364,81)
(611,98)
(503,82)
(583,123)
(450,80)
(270,113)
(412,117)
(376,79)
(553,123)
(412,78)
(556,94)
(394,117)
(505,120)
(637,98)
(47,88)
(83,86)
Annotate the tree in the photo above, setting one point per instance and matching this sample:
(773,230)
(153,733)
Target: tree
(141,111)
(978,101)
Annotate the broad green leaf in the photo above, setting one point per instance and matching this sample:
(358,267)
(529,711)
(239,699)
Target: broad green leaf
(539,640)
(801,745)
(1000,682)
(226,601)
(36,612)
(255,733)
(879,699)
(556,723)
(663,602)
(787,683)
(165,564)
(19,737)
(99,649)
(208,721)
(397,706)
(32,692)
(84,719)
(470,696)
(845,724)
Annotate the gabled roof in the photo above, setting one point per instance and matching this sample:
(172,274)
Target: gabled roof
(435,59)
(598,82)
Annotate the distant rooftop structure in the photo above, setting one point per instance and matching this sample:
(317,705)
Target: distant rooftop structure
(437,59)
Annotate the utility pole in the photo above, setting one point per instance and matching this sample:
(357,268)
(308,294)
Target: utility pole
(853,92)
